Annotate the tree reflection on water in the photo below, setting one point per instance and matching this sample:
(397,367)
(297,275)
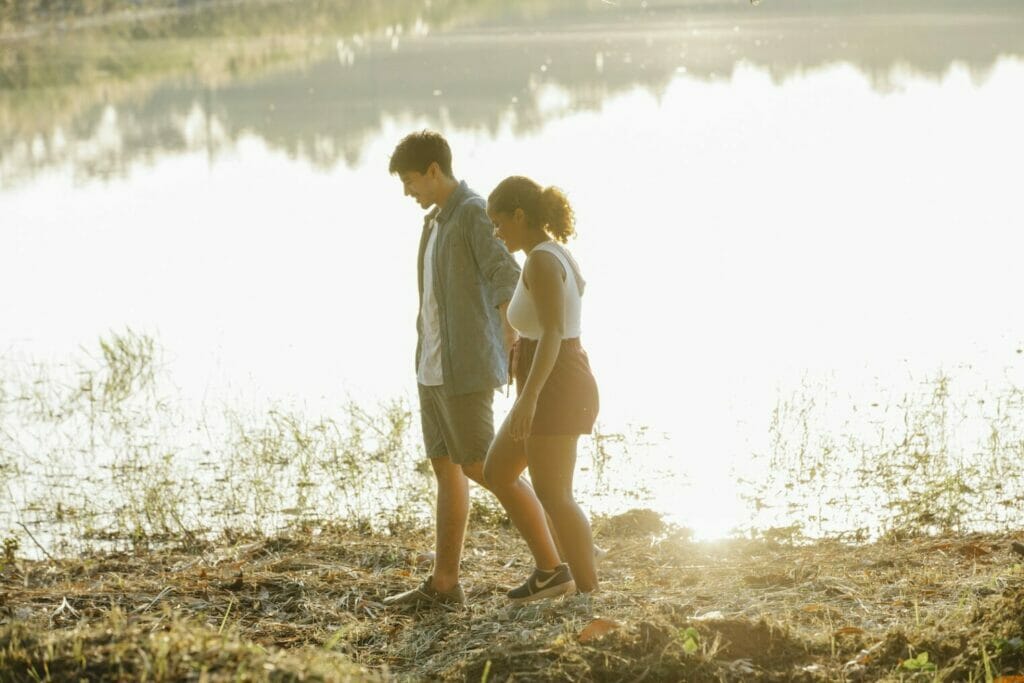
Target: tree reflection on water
(317,80)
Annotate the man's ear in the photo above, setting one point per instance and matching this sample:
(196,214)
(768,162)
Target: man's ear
(434,170)
(519,215)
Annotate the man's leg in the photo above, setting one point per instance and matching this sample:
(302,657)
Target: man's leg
(452,503)
(442,587)
(452,514)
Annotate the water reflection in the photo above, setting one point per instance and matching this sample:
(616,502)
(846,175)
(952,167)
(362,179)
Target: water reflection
(750,213)
(478,77)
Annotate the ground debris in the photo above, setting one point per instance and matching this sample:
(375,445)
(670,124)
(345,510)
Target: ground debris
(307,606)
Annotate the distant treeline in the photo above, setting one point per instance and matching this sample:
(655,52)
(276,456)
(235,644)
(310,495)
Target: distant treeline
(31,18)
(21,13)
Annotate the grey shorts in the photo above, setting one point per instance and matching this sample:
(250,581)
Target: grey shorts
(460,427)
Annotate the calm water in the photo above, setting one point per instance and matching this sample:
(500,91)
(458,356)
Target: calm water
(770,200)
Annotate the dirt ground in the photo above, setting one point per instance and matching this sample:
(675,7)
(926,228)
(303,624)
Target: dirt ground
(306,605)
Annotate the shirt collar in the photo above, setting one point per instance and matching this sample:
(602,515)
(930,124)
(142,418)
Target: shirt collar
(454,199)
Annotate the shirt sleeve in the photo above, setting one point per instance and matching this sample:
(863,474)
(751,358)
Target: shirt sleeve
(495,263)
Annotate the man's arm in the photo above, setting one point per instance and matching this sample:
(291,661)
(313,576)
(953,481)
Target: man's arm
(496,265)
(508,332)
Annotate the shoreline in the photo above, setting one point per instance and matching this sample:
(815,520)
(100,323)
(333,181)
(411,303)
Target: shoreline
(305,605)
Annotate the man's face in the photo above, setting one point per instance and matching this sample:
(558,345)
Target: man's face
(420,186)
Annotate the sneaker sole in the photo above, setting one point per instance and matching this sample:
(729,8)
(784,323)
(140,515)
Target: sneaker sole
(553,592)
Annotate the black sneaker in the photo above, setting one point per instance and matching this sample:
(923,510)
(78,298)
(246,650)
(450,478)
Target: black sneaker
(541,584)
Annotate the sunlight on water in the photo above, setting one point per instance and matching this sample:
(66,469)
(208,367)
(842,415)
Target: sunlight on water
(740,235)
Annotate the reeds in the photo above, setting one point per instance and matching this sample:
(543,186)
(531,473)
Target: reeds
(100,451)
(936,458)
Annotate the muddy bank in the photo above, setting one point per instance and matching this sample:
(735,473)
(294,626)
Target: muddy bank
(306,605)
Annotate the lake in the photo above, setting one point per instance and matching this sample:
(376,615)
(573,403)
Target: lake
(799,225)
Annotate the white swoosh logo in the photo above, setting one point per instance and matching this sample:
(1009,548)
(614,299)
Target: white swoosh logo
(541,584)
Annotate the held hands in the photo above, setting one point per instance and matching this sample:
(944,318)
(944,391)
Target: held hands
(509,336)
(520,419)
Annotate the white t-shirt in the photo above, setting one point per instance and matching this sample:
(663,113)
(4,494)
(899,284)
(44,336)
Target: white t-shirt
(430,373)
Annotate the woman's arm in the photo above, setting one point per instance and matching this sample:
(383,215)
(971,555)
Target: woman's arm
(545,278)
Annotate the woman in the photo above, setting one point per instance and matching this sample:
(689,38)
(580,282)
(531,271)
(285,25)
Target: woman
(556,395)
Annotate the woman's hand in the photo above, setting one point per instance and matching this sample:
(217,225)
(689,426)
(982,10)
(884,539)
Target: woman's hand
(520,419)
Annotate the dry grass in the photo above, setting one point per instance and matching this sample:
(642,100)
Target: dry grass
(307,606)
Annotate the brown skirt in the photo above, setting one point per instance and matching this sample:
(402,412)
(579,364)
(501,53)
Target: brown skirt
(568,401)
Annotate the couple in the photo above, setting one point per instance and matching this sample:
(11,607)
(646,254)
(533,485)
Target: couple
(473,302)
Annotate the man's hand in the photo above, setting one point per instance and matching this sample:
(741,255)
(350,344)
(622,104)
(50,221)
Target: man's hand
(508,333)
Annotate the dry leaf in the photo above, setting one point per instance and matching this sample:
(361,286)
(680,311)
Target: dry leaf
(848,631)
(974,551)
(1009,679)
(598,628)
(814,607)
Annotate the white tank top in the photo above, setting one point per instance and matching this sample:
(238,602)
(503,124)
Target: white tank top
(522,313)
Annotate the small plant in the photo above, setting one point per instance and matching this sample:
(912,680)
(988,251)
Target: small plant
(691,639)
(1011,645)
(11,546)
(918,663)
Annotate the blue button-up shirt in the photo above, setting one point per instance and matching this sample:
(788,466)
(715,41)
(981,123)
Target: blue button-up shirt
(473,274)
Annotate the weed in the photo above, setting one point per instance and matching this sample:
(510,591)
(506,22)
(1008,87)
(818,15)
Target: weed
(11,546)
(918,663)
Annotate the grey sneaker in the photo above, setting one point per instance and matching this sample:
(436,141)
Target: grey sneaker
(426,595)
(541,584)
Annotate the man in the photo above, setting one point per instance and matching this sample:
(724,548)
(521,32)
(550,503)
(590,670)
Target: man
(466,279)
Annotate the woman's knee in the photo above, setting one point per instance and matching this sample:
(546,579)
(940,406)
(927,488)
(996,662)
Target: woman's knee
(494,476)
(554,498)
(475,471)
(501,469)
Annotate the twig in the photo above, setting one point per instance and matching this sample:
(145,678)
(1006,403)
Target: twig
(226,613)
(161,594)
(38,544)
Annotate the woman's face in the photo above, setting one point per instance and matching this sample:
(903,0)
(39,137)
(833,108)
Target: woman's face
(509,227)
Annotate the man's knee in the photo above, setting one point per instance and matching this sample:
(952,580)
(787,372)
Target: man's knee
(444,469)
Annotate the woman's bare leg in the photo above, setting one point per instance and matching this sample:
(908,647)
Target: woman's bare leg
(552,462)
(501,473)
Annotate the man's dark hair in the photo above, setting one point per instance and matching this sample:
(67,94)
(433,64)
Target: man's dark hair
(417,151)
